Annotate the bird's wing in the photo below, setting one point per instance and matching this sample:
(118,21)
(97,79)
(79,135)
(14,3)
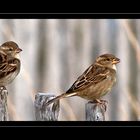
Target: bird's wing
(7,66)
(3,57)
(93,75)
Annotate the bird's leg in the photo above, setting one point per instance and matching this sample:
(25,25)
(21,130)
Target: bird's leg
(103,103)
(2,88)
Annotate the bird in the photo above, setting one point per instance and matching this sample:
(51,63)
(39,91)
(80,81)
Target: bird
(9,62)
(95,82)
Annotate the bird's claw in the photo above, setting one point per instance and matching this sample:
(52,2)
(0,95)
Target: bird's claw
(102,103)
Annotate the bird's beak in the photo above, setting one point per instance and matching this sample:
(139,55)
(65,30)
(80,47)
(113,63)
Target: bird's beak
(115,61)
(18,50)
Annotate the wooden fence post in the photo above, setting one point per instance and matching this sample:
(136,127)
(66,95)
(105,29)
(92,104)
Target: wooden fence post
(46,113)
(3,104)
(95,111)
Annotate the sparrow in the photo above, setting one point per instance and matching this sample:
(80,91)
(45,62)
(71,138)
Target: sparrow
(9,62)
(97,80)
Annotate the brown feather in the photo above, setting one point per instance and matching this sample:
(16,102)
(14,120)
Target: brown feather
(92,75)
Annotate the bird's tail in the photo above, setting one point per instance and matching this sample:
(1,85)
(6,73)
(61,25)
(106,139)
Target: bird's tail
(64,95)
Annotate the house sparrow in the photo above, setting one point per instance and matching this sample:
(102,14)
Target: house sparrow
(95,82)
(9,63)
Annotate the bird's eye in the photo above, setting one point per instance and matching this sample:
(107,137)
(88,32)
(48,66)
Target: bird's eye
(107,59)
(10,49)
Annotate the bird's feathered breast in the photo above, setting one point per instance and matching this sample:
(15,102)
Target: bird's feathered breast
(8,65)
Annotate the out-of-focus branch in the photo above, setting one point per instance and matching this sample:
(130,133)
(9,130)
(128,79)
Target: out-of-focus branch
(134,103)
(131,37)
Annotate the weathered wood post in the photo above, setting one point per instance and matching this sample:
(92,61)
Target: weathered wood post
(3,104)
(46,113)
(95,111)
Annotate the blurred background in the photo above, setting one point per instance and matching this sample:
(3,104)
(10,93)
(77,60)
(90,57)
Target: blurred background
(57,51)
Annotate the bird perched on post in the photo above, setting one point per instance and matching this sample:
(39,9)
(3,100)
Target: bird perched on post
(9,62)
(95,82)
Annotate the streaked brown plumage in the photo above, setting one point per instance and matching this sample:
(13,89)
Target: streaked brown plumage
(9,63)
(96,81)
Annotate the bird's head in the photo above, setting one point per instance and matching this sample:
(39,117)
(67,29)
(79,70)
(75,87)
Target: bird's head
(107,60)
(10,48)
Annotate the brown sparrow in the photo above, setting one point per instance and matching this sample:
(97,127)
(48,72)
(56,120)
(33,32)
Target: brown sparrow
(96,81)
(9,63)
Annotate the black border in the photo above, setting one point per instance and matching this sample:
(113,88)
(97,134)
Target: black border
(70,123)
(69,6)
(69,15)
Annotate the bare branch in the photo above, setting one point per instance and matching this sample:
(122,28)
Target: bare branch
(3,104)
(46,113)
(95,111)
